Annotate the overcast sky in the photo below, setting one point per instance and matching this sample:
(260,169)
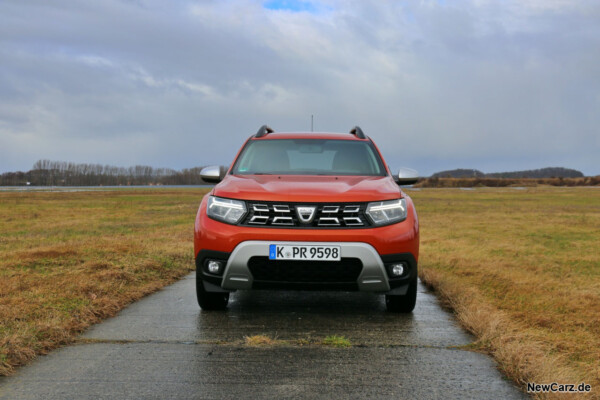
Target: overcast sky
(494,85)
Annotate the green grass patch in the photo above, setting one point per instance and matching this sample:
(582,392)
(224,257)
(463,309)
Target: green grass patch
(336,341)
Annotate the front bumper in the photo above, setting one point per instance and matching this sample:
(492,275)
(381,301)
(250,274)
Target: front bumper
(372,274)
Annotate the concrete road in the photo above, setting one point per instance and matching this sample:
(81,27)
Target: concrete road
(164,347)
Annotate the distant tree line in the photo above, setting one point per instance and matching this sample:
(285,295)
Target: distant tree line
(61,173)
(444,182)
(552,172)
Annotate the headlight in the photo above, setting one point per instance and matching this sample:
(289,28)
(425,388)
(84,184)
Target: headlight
(226,210)
(387,212)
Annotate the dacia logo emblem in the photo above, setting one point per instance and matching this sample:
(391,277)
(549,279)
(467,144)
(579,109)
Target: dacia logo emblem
(306,213)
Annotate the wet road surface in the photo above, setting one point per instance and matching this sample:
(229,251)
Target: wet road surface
(165,347)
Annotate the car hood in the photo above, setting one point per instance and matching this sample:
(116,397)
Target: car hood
(308,188)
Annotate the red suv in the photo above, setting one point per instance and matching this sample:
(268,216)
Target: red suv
(307,211)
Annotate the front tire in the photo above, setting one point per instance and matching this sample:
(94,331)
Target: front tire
(403,303)
(210,300)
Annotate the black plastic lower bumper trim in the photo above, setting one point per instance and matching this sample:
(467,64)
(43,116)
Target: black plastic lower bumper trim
(202,256)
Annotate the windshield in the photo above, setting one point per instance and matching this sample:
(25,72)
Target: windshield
(309,157)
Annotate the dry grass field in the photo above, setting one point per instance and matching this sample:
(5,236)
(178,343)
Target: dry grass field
(521,268)
(70,259)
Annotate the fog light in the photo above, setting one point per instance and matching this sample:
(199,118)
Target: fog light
(214,267)
(397,269)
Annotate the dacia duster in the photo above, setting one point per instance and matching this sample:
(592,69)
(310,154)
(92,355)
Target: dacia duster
(307,211)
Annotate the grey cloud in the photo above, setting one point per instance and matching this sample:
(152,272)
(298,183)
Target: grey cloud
(482,84)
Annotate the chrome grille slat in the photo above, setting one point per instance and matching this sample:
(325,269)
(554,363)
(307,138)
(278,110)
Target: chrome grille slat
(353,221)
(329,221)
(259,219)
(260,207)
(283,221)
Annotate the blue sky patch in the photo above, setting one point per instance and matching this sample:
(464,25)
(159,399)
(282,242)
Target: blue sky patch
(291,5)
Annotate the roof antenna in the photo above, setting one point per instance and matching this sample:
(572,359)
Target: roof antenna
(311,123)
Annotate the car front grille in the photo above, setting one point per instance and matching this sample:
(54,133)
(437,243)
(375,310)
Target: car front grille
(265,270)
(298,215)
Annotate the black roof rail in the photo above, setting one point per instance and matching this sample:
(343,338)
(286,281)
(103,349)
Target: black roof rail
(358,132)
(263,131)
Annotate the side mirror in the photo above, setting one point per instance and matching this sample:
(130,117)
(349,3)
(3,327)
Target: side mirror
(212,174)
(406,176)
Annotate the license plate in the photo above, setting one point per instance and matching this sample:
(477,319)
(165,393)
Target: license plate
(302,252)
